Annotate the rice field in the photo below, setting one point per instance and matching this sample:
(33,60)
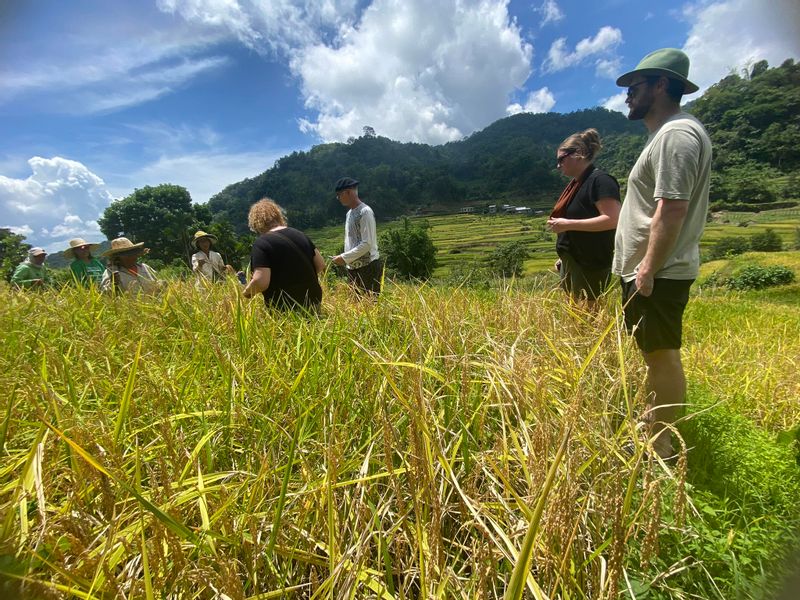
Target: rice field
(438,443)
(469,239)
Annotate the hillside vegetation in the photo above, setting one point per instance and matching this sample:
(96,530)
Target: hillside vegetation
(753,120)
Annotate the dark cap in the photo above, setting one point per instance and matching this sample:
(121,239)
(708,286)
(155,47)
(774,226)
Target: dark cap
(346,183)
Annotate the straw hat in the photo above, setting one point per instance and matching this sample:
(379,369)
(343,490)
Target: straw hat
(77,243)
(202,234)
(123,245)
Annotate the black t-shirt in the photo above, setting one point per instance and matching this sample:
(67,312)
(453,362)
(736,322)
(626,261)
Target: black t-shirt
(591,249)
(293,278)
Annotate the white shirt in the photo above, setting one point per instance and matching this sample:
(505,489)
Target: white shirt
(360,237)
(144,280)
(213,265)
(676,165)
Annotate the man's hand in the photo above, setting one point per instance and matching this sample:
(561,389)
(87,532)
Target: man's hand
(644,283)
(338,260)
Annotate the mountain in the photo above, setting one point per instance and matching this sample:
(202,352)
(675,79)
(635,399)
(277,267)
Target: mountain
(753,120)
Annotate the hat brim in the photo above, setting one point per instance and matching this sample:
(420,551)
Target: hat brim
(210,236)
(626,79)
(68,253)
(131,249)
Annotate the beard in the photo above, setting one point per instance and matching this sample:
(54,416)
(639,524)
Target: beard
(639,108)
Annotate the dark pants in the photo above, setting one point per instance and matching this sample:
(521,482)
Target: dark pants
(583,282)
(367,279)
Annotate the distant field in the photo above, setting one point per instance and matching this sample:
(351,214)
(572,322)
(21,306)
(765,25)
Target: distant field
(464,239)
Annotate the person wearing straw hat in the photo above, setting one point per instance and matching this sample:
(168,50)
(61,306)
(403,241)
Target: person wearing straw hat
(207,264)
(32,272)
(86,269)
(657,244)
(125,273)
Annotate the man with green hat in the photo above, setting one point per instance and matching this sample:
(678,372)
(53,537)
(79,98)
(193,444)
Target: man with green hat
(657,245)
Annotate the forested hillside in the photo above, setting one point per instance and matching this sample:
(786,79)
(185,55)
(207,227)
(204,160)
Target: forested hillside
(753,119)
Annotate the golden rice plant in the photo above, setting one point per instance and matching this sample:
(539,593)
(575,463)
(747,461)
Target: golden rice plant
(435,443)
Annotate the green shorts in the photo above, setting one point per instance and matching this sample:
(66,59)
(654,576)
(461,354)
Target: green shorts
(582,282)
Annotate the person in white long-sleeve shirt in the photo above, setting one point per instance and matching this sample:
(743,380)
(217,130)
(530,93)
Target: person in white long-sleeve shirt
(360,256)
(207,264)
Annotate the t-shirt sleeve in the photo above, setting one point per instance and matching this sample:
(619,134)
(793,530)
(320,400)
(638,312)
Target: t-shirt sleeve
(677,160)
(261,255)
(605,186)
(311,245)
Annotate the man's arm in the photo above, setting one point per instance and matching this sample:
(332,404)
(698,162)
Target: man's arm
(368,239)
(664,231)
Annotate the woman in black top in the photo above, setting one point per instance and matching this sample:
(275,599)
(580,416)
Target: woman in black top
(285,263)
(585,218)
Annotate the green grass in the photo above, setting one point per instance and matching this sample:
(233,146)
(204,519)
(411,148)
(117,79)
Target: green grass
(441,442)
(469,239)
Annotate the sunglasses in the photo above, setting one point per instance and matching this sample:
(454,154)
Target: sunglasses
(561,158)
(632,88)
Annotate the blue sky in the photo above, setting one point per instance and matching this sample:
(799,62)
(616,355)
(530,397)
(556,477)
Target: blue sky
(99,97)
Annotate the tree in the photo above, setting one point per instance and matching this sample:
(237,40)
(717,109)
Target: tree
(13,251)
(409,251)
(507,259)
(162,217)
(227,242)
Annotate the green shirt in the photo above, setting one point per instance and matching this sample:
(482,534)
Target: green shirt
(87,274)
(26,274)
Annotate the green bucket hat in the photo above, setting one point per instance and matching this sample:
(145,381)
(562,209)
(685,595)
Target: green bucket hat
(669,62)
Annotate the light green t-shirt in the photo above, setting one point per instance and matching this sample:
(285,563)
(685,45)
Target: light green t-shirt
(88,273)
(676,165)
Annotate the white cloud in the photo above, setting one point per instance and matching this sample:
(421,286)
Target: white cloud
(24,230)
(729,35)
(202,173)
(109,70)
(277,26)
(604,42)
(61,199)
(415,70)
(616,102)
(540,101)
(550,11)
(608,68)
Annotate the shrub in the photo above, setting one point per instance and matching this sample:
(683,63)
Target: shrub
(506,260)
(409,251)
(756,277)
(728,246)
(766,241)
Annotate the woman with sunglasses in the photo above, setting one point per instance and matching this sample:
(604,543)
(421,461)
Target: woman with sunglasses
(585,218)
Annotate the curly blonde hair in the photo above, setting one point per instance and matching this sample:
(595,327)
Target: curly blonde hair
(264,215)
(586,143)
